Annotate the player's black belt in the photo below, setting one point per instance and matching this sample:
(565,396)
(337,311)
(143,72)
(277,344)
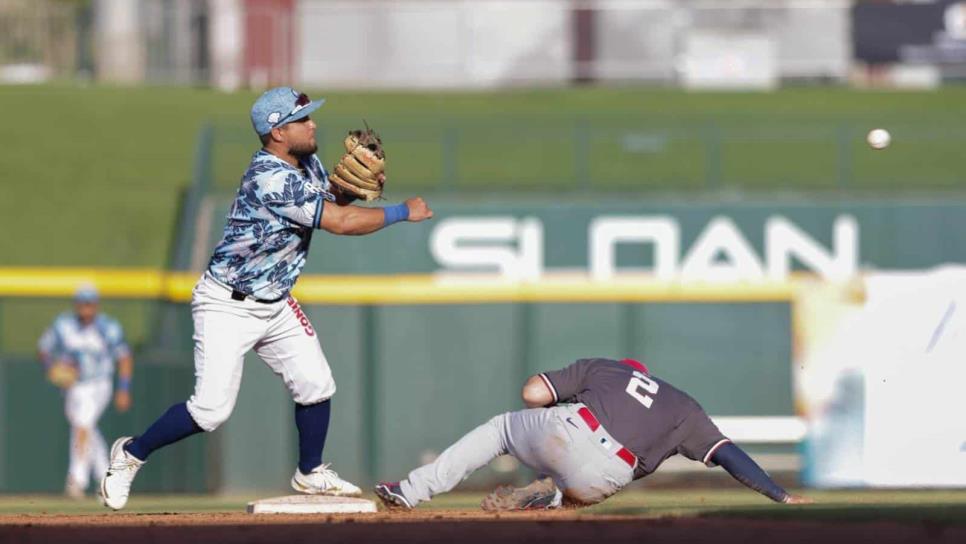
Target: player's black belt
(238,295)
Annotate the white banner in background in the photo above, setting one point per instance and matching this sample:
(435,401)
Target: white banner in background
(883,390)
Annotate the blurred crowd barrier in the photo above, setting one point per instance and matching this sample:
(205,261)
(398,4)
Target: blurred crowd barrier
(43,40)
(483,43)
(547,41)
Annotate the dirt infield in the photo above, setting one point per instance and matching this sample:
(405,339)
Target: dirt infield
(453,527)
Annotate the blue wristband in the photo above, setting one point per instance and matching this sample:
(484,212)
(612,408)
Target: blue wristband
(395,214)
(123,384)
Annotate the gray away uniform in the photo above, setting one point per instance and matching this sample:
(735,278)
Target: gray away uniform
(614,423)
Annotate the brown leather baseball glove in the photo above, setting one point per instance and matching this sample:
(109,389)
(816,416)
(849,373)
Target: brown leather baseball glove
(361,171)
(62,374)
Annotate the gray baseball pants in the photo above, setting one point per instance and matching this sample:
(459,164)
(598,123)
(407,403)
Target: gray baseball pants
(554,441)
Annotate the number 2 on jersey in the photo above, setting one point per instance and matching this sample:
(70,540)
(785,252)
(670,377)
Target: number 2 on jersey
(640,381)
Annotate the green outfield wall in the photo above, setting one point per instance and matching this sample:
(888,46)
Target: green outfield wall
(414,377)
(906,233)
(34,447)
(411,379)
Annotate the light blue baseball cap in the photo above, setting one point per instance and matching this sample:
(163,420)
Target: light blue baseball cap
(86,293)
(280,106)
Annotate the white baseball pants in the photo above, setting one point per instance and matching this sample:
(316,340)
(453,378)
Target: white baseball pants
(226,329)
(553,441)
(84,402)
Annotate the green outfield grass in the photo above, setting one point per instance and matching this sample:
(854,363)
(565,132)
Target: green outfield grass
(92,174)
(902,506)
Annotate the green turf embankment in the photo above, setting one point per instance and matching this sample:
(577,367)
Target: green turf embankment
(92,174)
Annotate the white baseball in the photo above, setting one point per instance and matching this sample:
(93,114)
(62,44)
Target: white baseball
(878,138)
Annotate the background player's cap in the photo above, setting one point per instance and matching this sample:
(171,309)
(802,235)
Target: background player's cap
(280,106)
(86,293)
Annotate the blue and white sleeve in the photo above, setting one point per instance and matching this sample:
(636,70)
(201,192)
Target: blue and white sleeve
(288,196)
(114,335)
(50,344)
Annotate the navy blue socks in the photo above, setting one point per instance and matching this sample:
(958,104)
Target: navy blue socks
(312,421)
(172,426)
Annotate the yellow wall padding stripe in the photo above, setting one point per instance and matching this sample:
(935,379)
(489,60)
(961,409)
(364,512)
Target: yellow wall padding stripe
(61,282)
(393,289)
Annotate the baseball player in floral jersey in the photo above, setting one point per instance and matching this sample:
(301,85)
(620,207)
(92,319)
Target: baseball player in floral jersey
(242,301)
(592,428)
(79,351)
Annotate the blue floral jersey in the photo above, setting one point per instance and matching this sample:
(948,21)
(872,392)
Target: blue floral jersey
(92,348)
(270,226)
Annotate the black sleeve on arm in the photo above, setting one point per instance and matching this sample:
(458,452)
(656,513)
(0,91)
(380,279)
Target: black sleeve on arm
(746,470)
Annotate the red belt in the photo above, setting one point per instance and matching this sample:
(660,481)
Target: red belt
(591,421)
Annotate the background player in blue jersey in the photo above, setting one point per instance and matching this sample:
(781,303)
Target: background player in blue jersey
(79,351)
(242,301)
(592,427)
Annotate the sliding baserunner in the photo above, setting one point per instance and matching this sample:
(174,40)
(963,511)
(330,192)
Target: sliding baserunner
(591,428)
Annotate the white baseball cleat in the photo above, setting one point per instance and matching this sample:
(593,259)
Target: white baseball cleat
(323,481)
(116,485)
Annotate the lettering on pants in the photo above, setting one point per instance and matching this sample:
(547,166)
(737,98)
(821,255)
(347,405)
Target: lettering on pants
(300,315)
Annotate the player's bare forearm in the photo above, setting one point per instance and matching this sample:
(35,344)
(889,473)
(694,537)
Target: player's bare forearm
(125,367)
(535,393)
(349,220)
(122,397)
